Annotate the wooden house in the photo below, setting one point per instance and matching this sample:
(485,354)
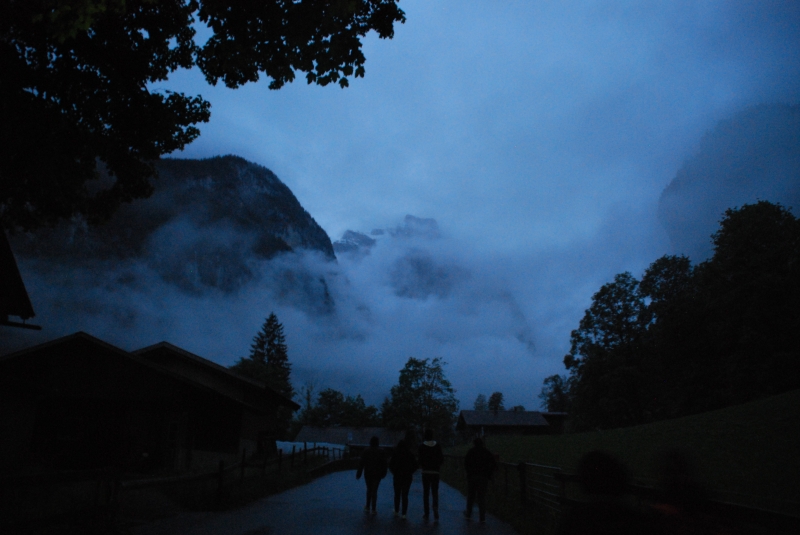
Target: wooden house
(482,423)
(78,403)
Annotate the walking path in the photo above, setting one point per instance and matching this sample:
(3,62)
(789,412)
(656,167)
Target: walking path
(331,505)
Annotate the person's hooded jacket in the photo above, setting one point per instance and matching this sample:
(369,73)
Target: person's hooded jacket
(430,457)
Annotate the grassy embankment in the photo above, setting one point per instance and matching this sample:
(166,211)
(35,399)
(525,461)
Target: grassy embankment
(747,454)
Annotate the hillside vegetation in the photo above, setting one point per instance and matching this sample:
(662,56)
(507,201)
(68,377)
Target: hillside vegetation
(745,454)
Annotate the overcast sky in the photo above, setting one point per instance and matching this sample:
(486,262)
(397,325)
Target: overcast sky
(538,134)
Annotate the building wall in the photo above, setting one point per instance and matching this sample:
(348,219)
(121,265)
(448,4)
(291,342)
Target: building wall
(80,405)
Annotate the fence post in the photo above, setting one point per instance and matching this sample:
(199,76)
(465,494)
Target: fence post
(522,483)
(305,453)
(505,473)
(264,464)
(292,459)
(220,481)
(241,470)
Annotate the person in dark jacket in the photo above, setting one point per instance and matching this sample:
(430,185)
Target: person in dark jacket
(479,465)
(373,465)
(403,465)
(430,461)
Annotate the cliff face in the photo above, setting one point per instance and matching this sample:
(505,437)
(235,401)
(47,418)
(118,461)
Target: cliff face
(754,155)
(207,225)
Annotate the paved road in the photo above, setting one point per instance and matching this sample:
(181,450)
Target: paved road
(331,505)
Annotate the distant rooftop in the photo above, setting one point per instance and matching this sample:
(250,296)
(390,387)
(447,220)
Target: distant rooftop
(502,418)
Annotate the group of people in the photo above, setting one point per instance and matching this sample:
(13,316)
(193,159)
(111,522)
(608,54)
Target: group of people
(479,464)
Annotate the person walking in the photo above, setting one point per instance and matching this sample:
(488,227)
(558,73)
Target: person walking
(430,461)
(373,465)
(402,465)
(479,464)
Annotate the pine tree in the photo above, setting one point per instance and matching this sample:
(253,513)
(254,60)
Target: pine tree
(480,403)
(269,349)
(269,363)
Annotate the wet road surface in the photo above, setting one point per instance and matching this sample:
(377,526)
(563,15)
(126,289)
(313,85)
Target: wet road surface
(331,505)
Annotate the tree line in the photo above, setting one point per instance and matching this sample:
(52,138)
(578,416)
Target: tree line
(690,338)
(422,399)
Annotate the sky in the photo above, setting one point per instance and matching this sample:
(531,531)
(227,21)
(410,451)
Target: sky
(538,135)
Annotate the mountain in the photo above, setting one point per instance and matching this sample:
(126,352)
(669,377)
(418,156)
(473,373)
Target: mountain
(208,225)
(754,155)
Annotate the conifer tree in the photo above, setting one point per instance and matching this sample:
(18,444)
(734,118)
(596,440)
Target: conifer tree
(269,350)
(269,363)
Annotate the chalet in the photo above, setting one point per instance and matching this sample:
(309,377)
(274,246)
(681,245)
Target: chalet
(78,403)
(471,423)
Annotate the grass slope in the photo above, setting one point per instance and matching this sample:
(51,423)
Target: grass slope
(747,454)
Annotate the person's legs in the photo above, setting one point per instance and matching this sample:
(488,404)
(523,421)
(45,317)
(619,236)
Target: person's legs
(480,491)
(398,489)
(426,490)
(470,497)
(375,485)
(435,495)
(406,486)
(372,493)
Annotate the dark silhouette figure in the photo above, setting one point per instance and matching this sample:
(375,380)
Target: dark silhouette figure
(479,465)
(430,461)
(604,482)
(683,506)
(374,467)
(402,465)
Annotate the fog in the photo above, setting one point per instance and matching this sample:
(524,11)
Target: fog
(538,136)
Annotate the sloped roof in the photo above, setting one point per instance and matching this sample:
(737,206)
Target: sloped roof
(502,418)
(160,354)
(14,299)
(349,435)
(177,375)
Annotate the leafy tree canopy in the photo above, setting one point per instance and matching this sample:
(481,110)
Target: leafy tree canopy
(78,85)
(481,403)
(423,398)
(334,409)
(689,339)
(555,394)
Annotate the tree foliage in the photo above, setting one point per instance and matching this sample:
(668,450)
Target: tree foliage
(603,358)
(555,394)
(423,398)
(269,363)
(334,409)
(80,77)
(496,402)
(480,403)
(687,339)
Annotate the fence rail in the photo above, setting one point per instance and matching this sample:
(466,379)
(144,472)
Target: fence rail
(101,492)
